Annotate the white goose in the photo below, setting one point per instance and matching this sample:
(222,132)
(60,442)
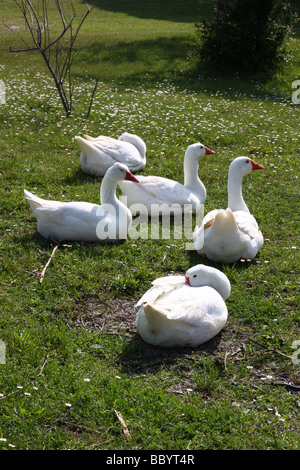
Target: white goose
(181,311)
(100,153)
(84,221)
(154,191)
(233,234)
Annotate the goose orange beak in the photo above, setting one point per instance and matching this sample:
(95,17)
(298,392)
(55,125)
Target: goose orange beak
(130,177)
(208,151)
(187,280)
(256,166)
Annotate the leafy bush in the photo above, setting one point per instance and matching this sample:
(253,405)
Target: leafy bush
(246,35)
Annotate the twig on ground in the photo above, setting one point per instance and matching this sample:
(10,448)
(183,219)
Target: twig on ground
(271,349)
(31,378)
(225,361)
(123,424)
(42,368)
(47,264)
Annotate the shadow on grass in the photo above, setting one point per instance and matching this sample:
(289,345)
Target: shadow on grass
(135,62)
(79,177)
(168,10)
(34,238)
(149,62)
(229,269)
(140,357)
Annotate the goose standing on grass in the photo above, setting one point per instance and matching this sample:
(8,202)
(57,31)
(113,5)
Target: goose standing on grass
(100,153)
(181,311)
(156,190)
(233,234)
(84,221)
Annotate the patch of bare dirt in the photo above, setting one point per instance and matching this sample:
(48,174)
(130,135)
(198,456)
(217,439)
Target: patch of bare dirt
(117,317)
(113,316)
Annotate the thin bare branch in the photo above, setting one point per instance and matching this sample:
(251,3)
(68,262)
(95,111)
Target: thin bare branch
(19,36)
(23,50)
(38,30)
(58,37)
(60,63)
(92,98)
(61,13)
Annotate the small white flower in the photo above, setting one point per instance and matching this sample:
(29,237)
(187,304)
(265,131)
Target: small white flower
(86,380)
(3,439)
(68,404)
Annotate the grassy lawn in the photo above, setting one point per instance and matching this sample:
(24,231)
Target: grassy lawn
(73,356)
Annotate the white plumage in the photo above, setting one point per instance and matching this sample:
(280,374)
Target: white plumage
(100,153)
(179,311)
(84,221)
(154,191)
(228,235)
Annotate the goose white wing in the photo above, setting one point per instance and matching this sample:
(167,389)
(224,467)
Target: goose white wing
(247,223)
(160,287)
(188,312)
(159,190)
(119,151)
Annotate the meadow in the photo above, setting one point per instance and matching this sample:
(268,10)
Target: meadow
(74,363)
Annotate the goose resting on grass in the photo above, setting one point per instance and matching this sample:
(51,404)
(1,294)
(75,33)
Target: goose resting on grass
(152,191)
(100,153)
(182,311)
(230,235)
(84,221)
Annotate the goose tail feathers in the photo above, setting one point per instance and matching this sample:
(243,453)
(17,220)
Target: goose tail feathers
(33,200)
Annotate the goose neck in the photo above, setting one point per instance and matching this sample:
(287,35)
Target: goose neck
(235,196)
(108,192)
(191,178)
(141,147)
(221,284)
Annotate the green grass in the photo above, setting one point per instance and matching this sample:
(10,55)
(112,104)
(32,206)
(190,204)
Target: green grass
(71,343)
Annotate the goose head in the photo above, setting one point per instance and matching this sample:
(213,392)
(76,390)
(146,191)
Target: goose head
(198,150)
(202,275)
(134,140)
(119,172)
(244,165)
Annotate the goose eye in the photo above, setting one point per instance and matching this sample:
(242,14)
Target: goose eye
(194,275)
